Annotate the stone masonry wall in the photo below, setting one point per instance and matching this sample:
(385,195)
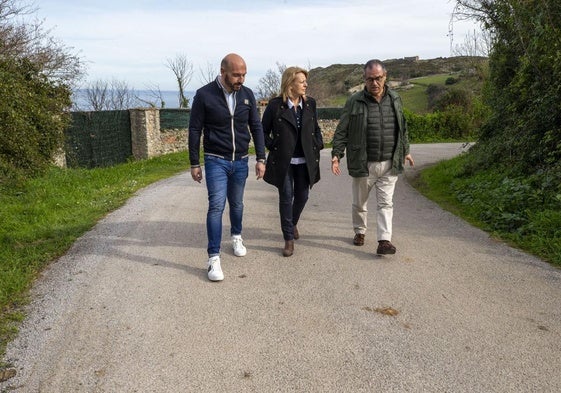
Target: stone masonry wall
(175,140)
(145,132)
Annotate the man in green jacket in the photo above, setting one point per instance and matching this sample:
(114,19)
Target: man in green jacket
(373,132)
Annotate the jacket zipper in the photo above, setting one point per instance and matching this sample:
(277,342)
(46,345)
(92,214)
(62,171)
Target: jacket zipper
(233,128)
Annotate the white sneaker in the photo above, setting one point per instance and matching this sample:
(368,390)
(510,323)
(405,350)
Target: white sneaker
(239,248)
(214,269)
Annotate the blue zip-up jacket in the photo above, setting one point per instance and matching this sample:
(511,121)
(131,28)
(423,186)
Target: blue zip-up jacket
(224,135)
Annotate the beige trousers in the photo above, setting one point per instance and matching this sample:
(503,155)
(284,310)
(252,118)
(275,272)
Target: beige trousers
(383,181)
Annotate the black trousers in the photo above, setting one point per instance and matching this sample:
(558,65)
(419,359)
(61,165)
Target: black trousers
(292,198)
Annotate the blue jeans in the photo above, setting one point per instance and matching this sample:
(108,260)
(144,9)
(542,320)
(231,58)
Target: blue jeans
(224,180)
(292,198)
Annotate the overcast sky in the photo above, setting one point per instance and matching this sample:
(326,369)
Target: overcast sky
(130,41)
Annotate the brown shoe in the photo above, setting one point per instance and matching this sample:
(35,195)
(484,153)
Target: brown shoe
(296,234)
(288,248)
(359,239)
(385,247)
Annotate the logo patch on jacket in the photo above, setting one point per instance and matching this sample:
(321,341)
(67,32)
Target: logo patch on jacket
(246,101)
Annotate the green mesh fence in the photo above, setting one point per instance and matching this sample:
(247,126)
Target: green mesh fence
(103,138)
(174,119)
(329,113)
(97,139)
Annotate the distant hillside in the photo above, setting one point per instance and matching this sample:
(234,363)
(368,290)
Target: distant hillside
(331,84)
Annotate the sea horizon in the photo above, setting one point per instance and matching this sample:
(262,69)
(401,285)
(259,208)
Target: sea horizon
(139,98)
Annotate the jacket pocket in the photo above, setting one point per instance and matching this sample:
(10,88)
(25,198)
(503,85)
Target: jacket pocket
(355,157)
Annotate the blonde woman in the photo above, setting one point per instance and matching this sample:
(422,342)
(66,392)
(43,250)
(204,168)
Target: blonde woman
(293,138)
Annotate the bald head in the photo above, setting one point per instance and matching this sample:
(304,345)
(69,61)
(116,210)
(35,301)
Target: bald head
(232,71)
(230,60)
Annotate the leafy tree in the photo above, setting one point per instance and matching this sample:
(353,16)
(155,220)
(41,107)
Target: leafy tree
(523,88)
(33,115)
(36,72)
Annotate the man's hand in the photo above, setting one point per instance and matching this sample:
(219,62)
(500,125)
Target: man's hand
(335,166)
(197,174)
(259,170)
(409,158)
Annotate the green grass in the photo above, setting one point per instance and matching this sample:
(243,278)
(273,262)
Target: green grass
(439,79)
(509,208)
(41,218)
(415,98)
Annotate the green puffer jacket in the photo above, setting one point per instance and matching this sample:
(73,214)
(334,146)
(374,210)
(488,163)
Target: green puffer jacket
(350,134)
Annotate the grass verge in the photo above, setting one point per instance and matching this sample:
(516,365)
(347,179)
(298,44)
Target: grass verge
(41,218)
(511,209)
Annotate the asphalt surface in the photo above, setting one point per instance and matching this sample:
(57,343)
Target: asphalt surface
(130,309)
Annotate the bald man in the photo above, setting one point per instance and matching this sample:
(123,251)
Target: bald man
(223,111)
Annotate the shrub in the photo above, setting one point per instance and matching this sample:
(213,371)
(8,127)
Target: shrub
(421,128)
(434,93)
(450,81)
(454,97)
(32,114)
(454,123)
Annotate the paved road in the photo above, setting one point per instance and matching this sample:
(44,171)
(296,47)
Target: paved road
(129,308)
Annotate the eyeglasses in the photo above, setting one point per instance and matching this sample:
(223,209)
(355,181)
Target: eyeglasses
(378,79)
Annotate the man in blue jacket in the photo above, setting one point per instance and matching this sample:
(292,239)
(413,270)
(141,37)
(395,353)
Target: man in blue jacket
(225,113)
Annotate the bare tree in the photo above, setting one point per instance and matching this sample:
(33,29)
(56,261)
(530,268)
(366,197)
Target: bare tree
(156,97)
(29,40)
(96,96)
(101,95)
(269,85)
(475,44)
(183,71)
(122,96)
(478,44)
(208,73)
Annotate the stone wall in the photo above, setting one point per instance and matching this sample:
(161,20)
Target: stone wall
(172,141)
(147,139)
(327,129)
(175,140)
(145,132)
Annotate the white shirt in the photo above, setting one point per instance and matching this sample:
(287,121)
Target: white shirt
(296,160)
(230,96)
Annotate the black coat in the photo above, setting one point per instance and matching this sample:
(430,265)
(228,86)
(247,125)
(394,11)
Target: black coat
(281,132)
